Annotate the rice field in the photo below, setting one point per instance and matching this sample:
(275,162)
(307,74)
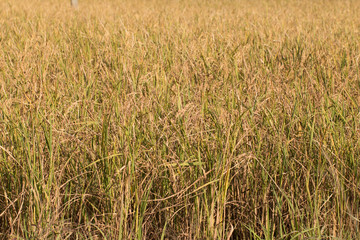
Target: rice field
(180,119)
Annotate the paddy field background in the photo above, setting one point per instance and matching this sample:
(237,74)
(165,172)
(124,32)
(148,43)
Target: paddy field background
(180,119)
